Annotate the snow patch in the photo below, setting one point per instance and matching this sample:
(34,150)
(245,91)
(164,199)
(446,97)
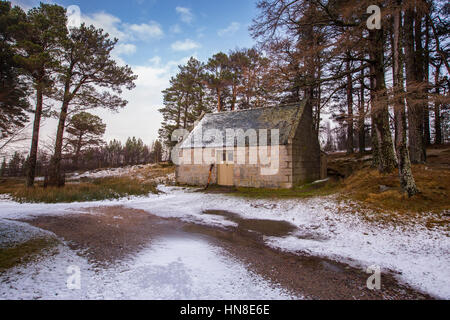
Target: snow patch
(418,255)
(172,268)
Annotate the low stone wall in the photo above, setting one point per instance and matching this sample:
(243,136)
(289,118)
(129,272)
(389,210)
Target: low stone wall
(195,175)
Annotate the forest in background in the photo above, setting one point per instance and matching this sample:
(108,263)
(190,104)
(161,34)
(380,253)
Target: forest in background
(385,88)
(51,70)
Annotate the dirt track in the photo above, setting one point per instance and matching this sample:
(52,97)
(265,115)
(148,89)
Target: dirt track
(107,235)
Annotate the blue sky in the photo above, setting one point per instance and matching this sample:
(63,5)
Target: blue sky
(154,37)
(205,27)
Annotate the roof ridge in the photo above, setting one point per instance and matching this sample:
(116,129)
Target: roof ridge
(269,107)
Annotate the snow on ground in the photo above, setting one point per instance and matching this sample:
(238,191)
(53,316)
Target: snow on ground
(15,232)
(172,268)
(105,173)
(113,172)
(421,257)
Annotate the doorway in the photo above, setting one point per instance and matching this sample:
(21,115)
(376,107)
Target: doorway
(225,167)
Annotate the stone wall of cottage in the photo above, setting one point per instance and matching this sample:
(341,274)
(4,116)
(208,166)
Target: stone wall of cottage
(306,154)
(245,175)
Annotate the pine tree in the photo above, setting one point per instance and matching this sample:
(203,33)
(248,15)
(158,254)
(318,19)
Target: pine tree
(13,88)
(407,181)
(85,130)
(3,168)
(88,67)
(219,78)
(39,38)
(185,100)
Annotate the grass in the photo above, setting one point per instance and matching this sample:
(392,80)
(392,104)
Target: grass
(434,186)
(93,190)
(139,182)
(10,185)
(24,252)
(304,191)
(431,178)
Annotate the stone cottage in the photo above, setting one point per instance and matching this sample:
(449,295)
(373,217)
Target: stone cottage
(273,147)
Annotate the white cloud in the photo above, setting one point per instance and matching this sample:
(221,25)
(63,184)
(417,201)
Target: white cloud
(109,23)
(125,49)
(141,117)
(112,24)
(175,29)
(186,14)
(155,61)
(124,31)
(185,45)
(230,30)
(144,31)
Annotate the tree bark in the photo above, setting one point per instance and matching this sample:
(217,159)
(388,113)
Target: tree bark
(373,135)
(349,89)
(437,109)
(407,181)
(386,156)
(234,99)
(78,150)
(426,73)
(219,100)
(35,138)
(186,108)
(55,164)
(415,108)
(361,118)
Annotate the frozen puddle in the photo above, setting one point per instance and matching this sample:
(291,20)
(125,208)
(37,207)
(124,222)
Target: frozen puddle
(172,268)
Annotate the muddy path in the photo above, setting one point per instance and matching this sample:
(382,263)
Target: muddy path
(106,235)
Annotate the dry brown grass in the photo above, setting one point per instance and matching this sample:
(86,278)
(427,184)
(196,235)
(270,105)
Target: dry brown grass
(9,185)
(98,189)
(139,182)
(25,252)
(382,194)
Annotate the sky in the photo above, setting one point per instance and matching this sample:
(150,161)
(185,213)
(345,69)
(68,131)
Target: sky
(155,36)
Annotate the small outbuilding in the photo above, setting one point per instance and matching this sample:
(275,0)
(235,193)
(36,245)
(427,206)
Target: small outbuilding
(274,147)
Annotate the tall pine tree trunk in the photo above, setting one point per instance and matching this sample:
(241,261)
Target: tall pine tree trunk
(437,109)
(407,181)
(78,150)
(55,163)
(415,107)
(386,157)
(426,70)
(349,90)
(234,99)
(219,100)
(35,138)
(373,135)
(361,118)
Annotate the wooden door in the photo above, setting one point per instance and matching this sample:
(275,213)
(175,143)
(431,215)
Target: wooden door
(226,175)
